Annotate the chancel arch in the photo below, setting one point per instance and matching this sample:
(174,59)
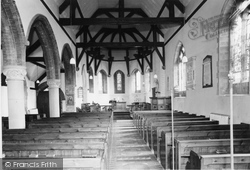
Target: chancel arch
(70,79)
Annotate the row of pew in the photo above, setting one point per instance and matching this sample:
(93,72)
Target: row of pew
(199,143)
(80,139)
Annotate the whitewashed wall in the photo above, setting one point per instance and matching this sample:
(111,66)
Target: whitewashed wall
(204,100)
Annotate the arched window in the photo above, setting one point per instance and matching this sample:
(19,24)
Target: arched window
(240,46)
(180,71)
(137,81)
(119,80)
(102,80)
(91,81)
(148,80)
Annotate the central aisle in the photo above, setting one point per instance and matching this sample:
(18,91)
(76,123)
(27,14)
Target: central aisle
(129,151)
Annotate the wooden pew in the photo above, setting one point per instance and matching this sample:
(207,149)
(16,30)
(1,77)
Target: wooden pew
(137,114)
(152,133)
(183,148)
(79,114)
(71,121)
(147,127)
(50,130)
(55,136)
(166,141)
(142,117)
(207,161)
(83,138)
(68,125)
(189,128)
(58,150)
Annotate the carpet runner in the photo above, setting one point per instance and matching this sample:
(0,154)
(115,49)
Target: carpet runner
(129,151)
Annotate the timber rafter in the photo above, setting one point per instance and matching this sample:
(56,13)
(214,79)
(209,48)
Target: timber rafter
(125,22)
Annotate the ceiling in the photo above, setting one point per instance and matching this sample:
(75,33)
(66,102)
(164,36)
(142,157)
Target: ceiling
(118,30)
(103,27)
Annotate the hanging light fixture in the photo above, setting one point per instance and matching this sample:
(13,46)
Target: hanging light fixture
(184,59)
(37,81)
(155,76)
(91,77)
(72,61)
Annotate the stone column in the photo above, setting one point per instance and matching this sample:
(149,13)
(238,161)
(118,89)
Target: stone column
(54,107)
(63,89)
(1,134)
(16,96)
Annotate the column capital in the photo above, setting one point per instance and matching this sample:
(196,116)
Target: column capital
(53,83)
(15,72)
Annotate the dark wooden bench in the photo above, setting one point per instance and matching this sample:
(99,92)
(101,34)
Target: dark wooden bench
(81,138)
(142,117)
(137,114)
(5,123)
(79,114)
(189,128)
(71,121)
(68,125)
(58,150)
(152,132)
(165,148)
(184,147)
(147,127)
(50,130)
(208,161)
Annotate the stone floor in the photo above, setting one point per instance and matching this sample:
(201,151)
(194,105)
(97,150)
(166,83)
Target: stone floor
(129,151)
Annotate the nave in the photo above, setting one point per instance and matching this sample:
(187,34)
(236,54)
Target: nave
(143,141)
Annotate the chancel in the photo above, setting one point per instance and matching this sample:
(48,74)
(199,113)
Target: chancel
(125,84)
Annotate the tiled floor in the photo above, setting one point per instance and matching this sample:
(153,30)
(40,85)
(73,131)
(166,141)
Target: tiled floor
(129,151)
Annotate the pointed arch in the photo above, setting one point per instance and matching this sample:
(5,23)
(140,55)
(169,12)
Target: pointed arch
(70,77)
(70,71)
(147,81)
(48,43)
(179,71)
(136,74)
(13,38)
(102,81)
(91,80)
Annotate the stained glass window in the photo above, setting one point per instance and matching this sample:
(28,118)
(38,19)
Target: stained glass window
(119,82)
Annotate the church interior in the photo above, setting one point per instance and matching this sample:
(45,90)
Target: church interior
(125,84)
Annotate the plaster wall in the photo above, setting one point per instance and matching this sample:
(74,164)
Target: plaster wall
(203,101)
(31,8)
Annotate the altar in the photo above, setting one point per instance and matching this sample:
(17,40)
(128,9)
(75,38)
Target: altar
(120,106)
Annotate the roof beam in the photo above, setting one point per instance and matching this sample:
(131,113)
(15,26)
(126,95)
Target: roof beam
(32,48)
(102,11)
(122,21)
(120,44)
(63,6)
(36,59)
